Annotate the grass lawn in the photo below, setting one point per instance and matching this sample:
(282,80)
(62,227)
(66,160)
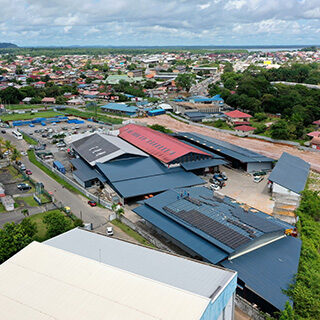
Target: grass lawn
(29,115)
(42,229)
(24,106)
(132,233)
(29,140)
(88,114)
(2,209)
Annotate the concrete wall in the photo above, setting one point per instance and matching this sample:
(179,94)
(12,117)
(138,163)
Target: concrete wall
(248,309)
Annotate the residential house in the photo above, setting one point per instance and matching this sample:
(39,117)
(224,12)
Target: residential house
(315,143)
(237,117)
(48,100)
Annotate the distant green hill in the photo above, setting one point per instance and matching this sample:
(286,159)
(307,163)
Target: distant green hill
(7,45)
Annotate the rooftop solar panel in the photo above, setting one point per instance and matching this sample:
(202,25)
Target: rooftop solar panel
(222,233)
(256,222)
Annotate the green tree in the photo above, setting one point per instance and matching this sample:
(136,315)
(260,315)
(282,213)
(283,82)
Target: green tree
(280,130)
(30,227)
(16,155)
(185,81)
(11,95)
(287,313)
(13,238)
(56,223)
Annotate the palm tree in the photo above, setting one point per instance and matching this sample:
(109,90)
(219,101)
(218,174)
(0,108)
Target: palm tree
(16,155)
(8,145)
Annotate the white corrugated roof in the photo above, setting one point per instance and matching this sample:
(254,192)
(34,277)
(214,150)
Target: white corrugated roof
(176,271)
(43,282)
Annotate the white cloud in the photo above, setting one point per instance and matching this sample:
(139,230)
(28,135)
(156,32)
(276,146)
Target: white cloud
(159,22)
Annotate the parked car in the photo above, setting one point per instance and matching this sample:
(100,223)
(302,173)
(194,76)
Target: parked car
(92,203)
(28,172)
(109,231)
(3,131)
(214,187)
(258,179)
(60,144)
(259,173)
(23,153)
(22,167)
(23,186)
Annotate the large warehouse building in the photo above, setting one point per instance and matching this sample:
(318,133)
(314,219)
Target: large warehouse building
(238,157)
(139,162)
(82,275)
(219,230)
(132,173)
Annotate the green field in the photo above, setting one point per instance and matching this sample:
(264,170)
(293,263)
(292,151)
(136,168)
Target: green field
(88,114)
(33,203)
(29,115)
(29,140)
(24,106)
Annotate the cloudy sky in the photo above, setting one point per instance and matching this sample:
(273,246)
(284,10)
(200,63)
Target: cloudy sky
(159,22)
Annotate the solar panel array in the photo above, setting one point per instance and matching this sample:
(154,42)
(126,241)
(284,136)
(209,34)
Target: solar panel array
(256,222)
(222,233)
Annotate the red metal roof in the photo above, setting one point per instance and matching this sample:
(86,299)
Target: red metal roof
(158,144)
(316,122)
(315,141)
(237,114)
(245,128)
(314,134)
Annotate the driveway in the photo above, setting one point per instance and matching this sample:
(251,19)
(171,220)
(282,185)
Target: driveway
(240,186)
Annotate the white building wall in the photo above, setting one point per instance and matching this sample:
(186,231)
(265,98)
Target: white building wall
(276,188)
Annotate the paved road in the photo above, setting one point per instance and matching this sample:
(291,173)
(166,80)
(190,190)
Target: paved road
(78,204)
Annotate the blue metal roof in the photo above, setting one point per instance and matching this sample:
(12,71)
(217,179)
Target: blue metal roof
(120,107)
(269,269)
(153,184)
(197,244)
(200,164)
(227,212)
(226,148)
(197,115)
(128,169)
(290,172)
(58,164)
(84,172)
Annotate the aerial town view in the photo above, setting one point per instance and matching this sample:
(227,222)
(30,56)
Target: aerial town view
(159,160)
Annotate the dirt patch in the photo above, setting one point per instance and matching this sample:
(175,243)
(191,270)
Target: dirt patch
(268,149)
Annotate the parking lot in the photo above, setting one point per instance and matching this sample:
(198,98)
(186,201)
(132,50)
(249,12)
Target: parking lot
(241,187)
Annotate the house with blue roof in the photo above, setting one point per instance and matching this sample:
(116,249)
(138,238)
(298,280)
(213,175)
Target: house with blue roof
(120,108)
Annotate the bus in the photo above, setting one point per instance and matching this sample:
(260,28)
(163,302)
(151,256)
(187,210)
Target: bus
(17,134)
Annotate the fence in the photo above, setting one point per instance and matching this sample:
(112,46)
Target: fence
(89,195)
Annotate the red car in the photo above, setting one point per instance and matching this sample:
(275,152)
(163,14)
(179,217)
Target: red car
(92,203)
(28,172)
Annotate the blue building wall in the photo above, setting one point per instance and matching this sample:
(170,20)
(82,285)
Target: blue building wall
(216,307)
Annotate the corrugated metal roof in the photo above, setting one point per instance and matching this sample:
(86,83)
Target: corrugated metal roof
(43,282)
(226,148)
(192,241)
(128,169)
(120,107)
(153,184)
(85,172)
(251,225)
(102,148)
(200,164)
(270,269)
(160,145)
(290,172)
(171,269)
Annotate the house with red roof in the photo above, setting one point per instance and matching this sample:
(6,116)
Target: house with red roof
(237,117)
(315,143)
(245,129)
(48,100)
(317,123)
(314,134)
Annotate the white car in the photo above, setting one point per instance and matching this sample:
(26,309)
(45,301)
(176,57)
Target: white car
(109,231)
(215,187)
